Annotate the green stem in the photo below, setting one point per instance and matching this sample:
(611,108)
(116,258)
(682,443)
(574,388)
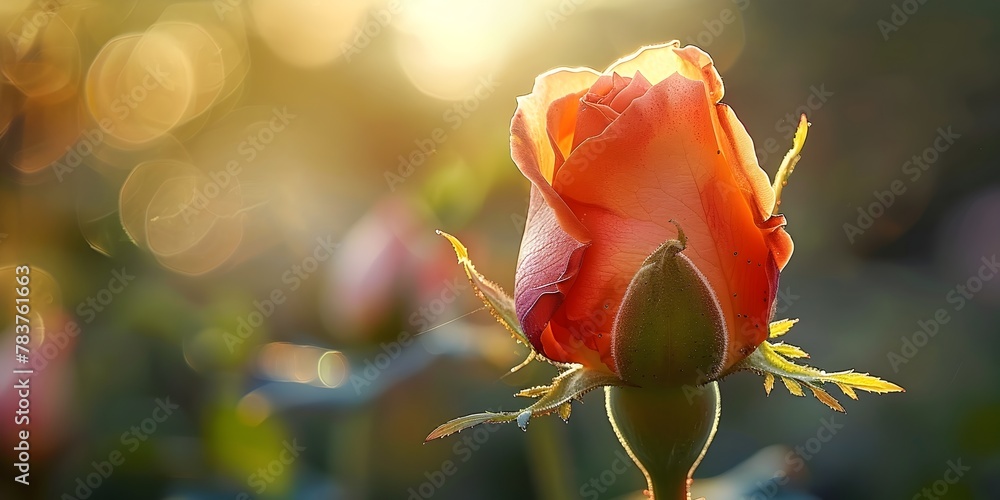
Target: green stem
(666,431)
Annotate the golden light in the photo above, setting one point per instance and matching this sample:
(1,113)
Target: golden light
(41,54)
(307,32)
(447,46)
(45,302)
(332,369)
(181,215)
(303,364)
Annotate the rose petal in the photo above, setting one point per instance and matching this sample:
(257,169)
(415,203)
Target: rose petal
(562,118)
(529,140)
(593,118)
(753,181)
(657,62)
(636,87)
(597,111)
(739,150)
(662,161)
(548,261)
(618,83)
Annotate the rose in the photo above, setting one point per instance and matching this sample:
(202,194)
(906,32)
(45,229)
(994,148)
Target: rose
(613,159)
(650,258)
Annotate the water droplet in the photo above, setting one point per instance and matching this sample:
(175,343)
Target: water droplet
(522,419)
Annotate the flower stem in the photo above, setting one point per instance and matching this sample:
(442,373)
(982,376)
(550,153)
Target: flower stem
(666,431)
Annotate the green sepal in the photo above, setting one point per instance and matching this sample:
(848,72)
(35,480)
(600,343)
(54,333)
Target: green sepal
(670,330)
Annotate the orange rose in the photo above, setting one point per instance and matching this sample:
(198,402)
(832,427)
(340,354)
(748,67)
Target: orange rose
(613,159)
(650,259)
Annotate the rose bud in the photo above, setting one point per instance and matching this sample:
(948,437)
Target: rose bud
(650,258)
(614,158)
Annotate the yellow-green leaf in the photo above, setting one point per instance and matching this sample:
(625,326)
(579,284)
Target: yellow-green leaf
(781,327)
(564,410)
(863,381)
(500,305)
(768,361)
(534,392)
(793,386)
(789,161)
(826,398)
(570,384)
(846,389)
(789,351)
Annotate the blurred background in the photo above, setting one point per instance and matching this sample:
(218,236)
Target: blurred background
(229,207)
